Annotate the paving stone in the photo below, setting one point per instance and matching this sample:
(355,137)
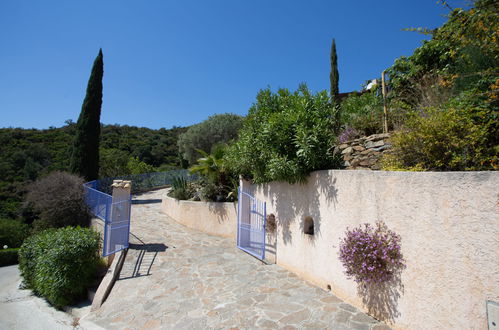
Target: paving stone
(381,327)
(348,307)
(358,326)
(296,317)
(342,316)
(364,318)
(201,281)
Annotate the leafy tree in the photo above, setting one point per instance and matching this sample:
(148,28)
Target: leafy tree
(113,163)
(135,166)
(461,55)
(334,76)
(221,128)
(85,157)
(285,136)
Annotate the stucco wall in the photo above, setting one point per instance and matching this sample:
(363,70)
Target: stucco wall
(212,218)
(449,224)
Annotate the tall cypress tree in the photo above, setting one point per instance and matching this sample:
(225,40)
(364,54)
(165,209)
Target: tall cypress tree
(85,156)
(334,76)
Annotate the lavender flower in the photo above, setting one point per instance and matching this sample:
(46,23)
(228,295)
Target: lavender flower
(371,254)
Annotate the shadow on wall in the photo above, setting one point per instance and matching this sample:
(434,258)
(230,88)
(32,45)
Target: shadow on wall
(381,299)
(301,202)
(220,209)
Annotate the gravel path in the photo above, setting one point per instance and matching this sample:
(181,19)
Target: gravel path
(178,278)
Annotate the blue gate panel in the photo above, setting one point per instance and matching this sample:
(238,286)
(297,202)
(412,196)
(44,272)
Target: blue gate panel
(251,225)
(114,213)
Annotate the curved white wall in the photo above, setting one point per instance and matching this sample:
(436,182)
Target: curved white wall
(212,218)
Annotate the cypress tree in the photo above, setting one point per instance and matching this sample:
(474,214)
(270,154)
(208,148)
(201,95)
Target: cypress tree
(334,76)
(85,156)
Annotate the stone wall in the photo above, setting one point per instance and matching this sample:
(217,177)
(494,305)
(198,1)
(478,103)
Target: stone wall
(364,153)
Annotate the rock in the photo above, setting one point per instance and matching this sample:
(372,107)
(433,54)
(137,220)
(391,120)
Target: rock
(348,158)
(377,136)
(355,162)
(371,144)
(364,163)
(359,148)
(343,146)
(365,152)
(346,164)
(386,146)
(348,150)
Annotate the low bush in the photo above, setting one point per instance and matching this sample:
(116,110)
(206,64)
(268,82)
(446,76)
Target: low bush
(180,189)
(59,199)
(458,136)
(59,264)
(371,255)
(363,113)
(12,233)
(8,256)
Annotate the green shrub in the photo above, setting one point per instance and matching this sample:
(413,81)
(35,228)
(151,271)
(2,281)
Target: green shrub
(12,233)
(8,256)
(363,113)
(180,188)
(461,135)
(285,137)
(59,264)
(59,199)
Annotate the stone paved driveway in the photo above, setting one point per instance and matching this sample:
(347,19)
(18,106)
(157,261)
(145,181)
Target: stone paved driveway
(178,278)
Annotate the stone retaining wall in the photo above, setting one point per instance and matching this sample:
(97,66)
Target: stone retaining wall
(364,153)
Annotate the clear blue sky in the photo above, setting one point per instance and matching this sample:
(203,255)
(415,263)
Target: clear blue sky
(172,63)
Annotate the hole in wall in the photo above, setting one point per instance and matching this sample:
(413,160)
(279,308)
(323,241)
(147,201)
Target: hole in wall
(308,225)
(329,287)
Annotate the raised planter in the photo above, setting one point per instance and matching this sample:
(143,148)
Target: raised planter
(209,217)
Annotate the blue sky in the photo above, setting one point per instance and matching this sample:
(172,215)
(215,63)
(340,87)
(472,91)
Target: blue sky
(172,63)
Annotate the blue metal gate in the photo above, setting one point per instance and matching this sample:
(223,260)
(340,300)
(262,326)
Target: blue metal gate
(115,212)
(251,220)
(117,227)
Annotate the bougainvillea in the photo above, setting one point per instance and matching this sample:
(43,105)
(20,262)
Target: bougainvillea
(370,254)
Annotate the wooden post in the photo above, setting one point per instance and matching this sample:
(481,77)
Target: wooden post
(385,109)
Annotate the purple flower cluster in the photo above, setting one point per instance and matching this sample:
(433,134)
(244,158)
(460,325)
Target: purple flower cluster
(371,255)
(347,135)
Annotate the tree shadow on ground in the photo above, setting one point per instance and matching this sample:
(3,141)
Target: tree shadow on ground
(146,201)
(144,259)
(381,300)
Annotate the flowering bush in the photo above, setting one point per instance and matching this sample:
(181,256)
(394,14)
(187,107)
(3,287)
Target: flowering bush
(371,255)
(348,134)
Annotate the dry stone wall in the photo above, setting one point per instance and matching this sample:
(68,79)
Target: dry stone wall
(364,153)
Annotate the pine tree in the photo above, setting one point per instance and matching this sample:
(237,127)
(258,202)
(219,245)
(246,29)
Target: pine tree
(85,156)
(334,76)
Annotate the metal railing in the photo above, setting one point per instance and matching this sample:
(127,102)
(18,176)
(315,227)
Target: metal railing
(146,181)
(97,201)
